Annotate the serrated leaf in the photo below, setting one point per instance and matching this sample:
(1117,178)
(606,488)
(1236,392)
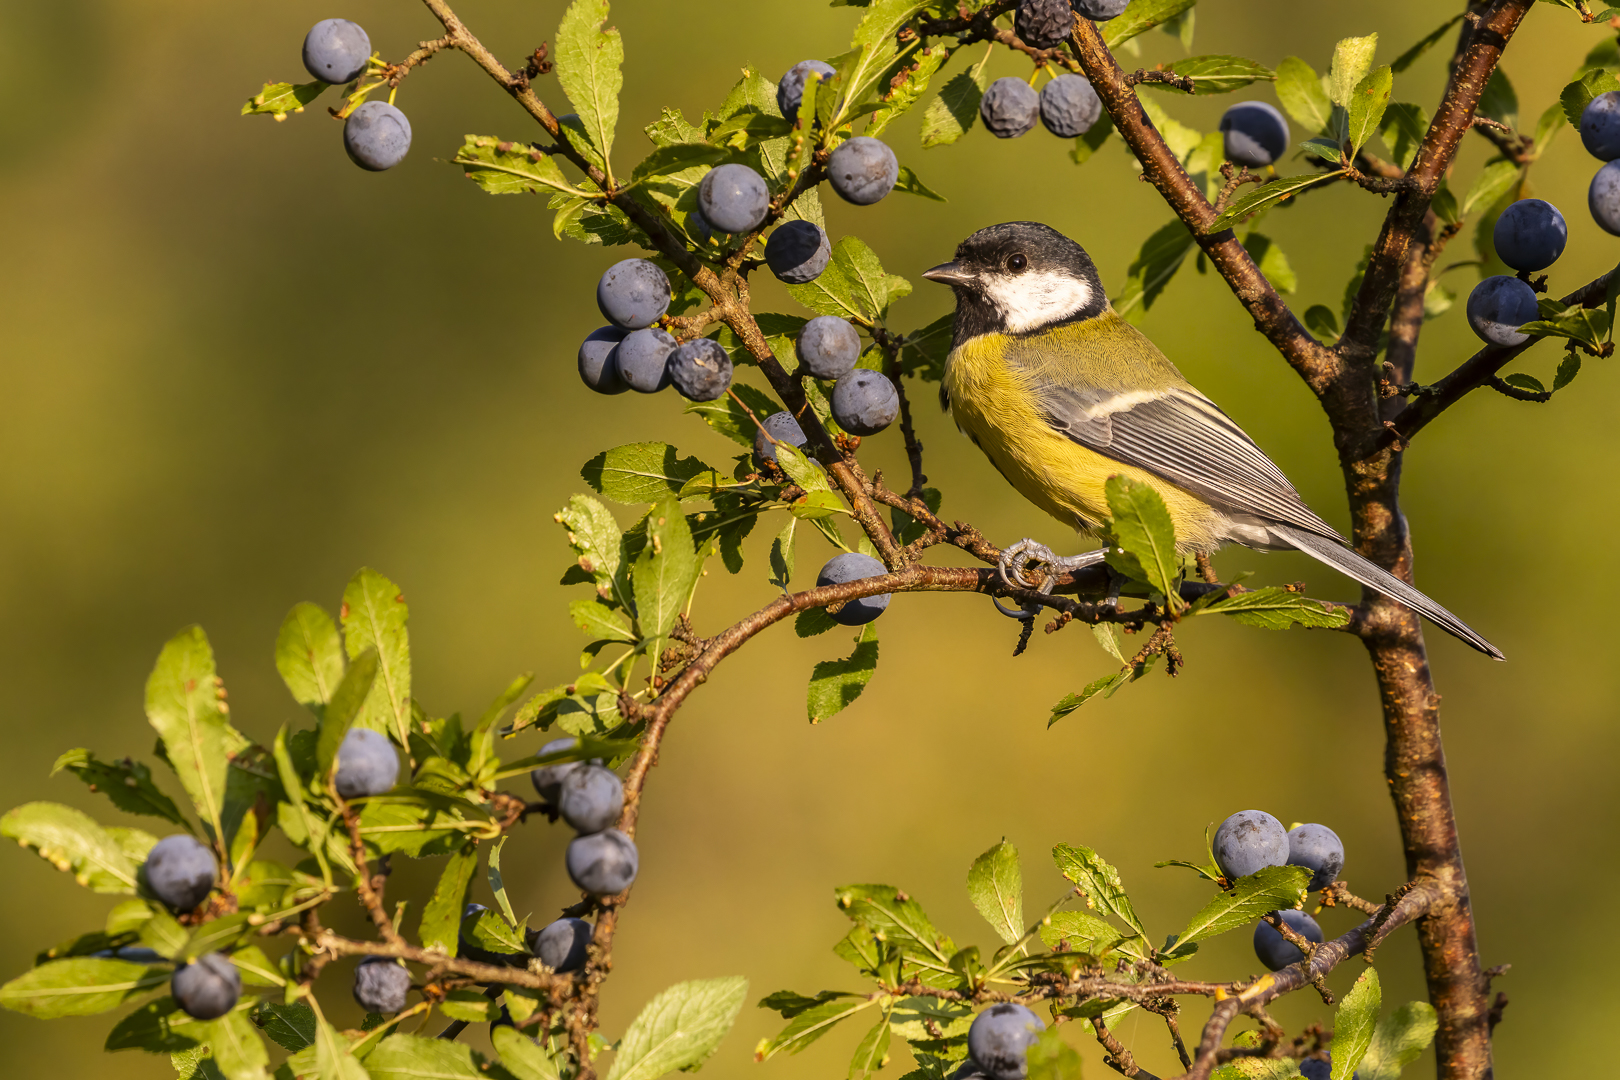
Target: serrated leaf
(521,1056)
(665,572)
(375,615)
(675,158)
(1579,94)
(1407,58)
(1568,368)
(877,58)
(238,1051)
(911,82)
(955,109)
(80,986)
(1493,182)
(1498,101)
(1399,1039)
(1084,932)
(1099,880)
(1161,256)
(679,1028)
(278,99)
(641,472)
(127,783)
(995,884)
(1216,74)
(1525,382)
(509,168)
(1264,196)
(291,1027)
(810,1024)
(870,1051)
(1353,1024)
(909,183)
(1368,101)
(417,1057)
(853,286)
(1402,130)
(441,918)
(347,702)
(587,66)
(835,684)
(897,920)
(334,1060)
(1274,888)
(1144,535)
(1303,95)
(1352,60)
(1140,16)
(158,1027)
(727,417)
(73,842)
(600,622)
(183,706)
(309,655)
(1276,608)
(595,537)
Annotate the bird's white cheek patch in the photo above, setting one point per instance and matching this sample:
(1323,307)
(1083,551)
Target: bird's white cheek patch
(1033,300)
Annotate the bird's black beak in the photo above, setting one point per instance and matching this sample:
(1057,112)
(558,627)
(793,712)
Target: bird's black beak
(951,273)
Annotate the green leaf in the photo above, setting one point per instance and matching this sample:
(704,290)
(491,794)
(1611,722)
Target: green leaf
(1089,143)
(80,986)
(471,1006)
(854,285)
(679,1028)
(1402,130)
(127,783)
(1547,128)
(1099,880)
(309,655)
(1367,104)
(334,1060)
(665,572)
(1276,608)
(996,886)
(1216,74)
(834,684)
(729,418)
(1495,181)
(1407,58)
(1498,101)
(163,934)
(1144,534)
(956,108)
(810,1024)
(374,616)
(1353,1024)
(291,1027)
(1140,16)
(1271,261)
(238,1051)
(1352,60)
(195,1064)
(488,930)
(1400,1038)
(1084,932)
(588,60)
(1321,321)
(595,538)
(183,706)
(1161,256)
(158,1027)
(521,1057)
(641,472)
(599,621)
(351,695)
(911,185)
(1264,196)
(71,841)
(510,168)
(1568,368)
(1579,94)
(1525,382)
(1577,324)
(1181,139)
(908,87)
(1274,888)
(417,1057)
(782,556)
(278,99)
(675,158)
(1050,1058)
(441,918)
(878,59)
(896,920)
(1303,95)
(1328,150)
(870,1051)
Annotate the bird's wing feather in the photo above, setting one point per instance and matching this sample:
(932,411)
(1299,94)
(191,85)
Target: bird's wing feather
(1184,437)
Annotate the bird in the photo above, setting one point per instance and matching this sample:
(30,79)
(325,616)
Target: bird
(1061,393)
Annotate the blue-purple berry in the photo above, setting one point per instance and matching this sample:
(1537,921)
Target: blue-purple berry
(643,359)
(604,863)
(181,871)
(1498,306)
(790,89)
(598,366)
(377,136)
(733,198)
(208,987)
(1600,126)
(1009,108)
(562,946)
(828,346)
(853,566)
(1000,1037)
(336,51)
(367,764)
(1530,235)
(1276,951)
(797,252)
(633,293)
(780,427)
(1069,106)
(380,984)
(1256,134)
(863,170)
(700,370)
(1248,842)
(864,402)
(1318,849)
(591,798)
(1603,198)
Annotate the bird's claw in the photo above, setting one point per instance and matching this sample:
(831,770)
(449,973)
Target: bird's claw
(1016,560)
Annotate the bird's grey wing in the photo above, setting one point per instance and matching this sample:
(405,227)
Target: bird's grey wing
(1185,438)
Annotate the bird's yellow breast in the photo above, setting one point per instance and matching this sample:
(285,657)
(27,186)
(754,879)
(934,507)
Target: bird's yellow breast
(992,387)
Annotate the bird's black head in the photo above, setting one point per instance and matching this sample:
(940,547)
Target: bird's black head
(1020,278)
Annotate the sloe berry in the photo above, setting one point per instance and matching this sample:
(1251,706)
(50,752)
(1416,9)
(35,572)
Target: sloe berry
(1009,108)
(1256,134)
(864,402)
(1318,849)
(1600,126)
(1000,1038)
(1043,24)
(643,359)
(1498,306)
(1603,198)
(633,294)
(598,367)
(603,863)
(547,779)
(863,170)
(1069,106)
(366,764)
(591,798)
(181,871)
(852,566)
(380,984)
(828,346)
(561,946)
(700,369)
(733,198)
(208,987)
(1275,951)
(336,50)
(797,252)
(1100,10)
(377,136)
(790,90)
(781,427)
(1530,235)
(1249,841)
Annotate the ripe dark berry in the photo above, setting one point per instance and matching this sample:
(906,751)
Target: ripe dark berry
(1256,134)
(181,871)
(1318,849)
(853,566)
(828,346)
(1001,1037)
(377,136)
(1275,951)
(547,779)
(864,402)
(700,369)
(863,170)
(790,90)
(598,367)
(643,359)
(208,987)
(1317,1069)
(633,294)
(1099,10)
(733,198)
(797,252)
(591,798)
(336,50)
(783,428)
(1043,24)
(1009,108)
(603,863)
(1249,841)
(1498,306)
(1600,126)
(1603,198)
(561,946)
(380,984)
(1530,235)
(366,764)
(1069,106)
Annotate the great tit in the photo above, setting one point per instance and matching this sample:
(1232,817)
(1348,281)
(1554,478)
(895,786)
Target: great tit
(1062,393)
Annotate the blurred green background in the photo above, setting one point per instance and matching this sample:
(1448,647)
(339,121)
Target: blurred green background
(234,368)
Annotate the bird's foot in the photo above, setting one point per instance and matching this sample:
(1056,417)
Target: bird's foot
(1016,561)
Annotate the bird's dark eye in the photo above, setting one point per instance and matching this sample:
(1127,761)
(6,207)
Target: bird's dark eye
(1015,263)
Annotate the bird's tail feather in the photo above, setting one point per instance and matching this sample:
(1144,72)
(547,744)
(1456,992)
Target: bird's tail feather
(1351,564)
